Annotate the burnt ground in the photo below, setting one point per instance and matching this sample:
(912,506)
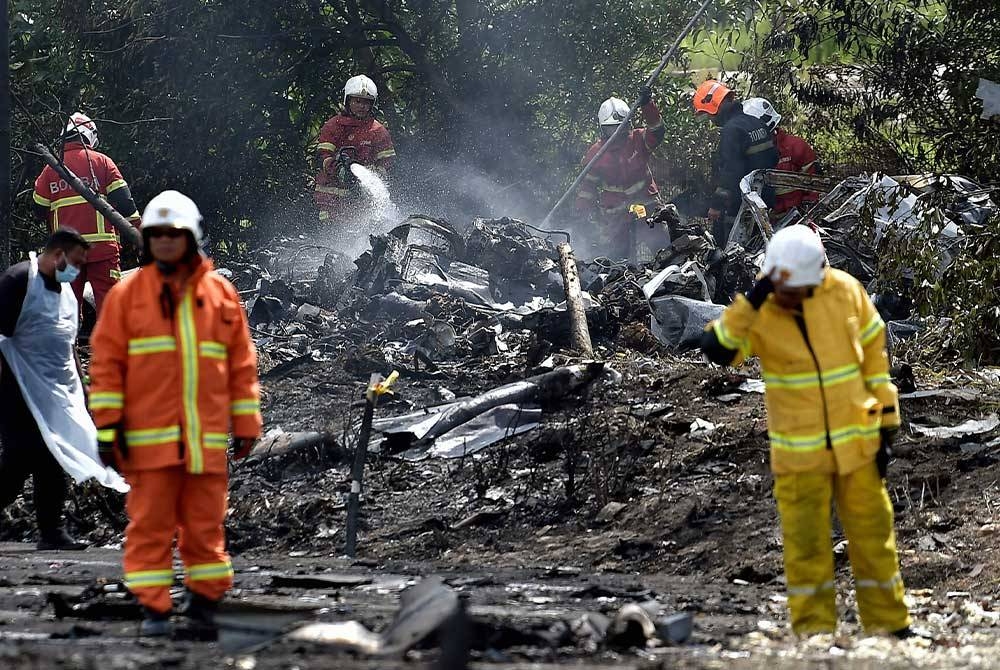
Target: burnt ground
(615,499)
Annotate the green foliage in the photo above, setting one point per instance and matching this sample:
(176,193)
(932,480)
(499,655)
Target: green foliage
(890,87)
(223,100)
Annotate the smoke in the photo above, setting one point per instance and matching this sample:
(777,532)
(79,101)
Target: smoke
(459,192)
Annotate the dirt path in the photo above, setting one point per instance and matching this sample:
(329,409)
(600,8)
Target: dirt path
(619,497)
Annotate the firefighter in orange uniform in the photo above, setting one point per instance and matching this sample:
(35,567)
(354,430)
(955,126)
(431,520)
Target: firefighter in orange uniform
(353,136)
(173,372)
(57,203)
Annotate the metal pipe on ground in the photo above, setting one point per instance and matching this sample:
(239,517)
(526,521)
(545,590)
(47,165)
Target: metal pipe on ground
(579,331)
(357,474)
(126,230)
(631,112)
(377,387)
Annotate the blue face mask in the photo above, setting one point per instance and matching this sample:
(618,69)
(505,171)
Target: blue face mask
(67,274)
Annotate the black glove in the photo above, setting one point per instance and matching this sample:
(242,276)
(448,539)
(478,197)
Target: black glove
(242,446)
(645,95)
(886,437)
(758,294)
(106,448)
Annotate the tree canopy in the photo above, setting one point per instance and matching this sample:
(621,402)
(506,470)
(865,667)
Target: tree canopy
(490,102)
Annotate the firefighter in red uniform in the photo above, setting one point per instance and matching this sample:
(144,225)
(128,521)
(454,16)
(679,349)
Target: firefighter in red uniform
(795,155)
(59,205)
(621,178)
(353,136)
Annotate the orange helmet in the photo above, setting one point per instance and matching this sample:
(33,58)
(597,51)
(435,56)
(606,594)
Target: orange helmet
(709,96)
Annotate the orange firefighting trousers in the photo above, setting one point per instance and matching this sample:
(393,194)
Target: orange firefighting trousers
(169,502)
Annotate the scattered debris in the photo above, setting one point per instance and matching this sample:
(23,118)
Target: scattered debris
(424,608)
(970,427)
(483,420)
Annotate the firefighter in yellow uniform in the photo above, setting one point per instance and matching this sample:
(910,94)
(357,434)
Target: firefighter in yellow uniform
(832,412)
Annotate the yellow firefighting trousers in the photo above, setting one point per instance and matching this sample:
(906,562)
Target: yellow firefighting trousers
(865,512)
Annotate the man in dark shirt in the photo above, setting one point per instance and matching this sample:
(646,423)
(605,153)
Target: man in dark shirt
(24,450)
(745,145)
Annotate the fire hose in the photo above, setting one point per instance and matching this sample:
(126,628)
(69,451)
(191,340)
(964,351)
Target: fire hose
(631,112)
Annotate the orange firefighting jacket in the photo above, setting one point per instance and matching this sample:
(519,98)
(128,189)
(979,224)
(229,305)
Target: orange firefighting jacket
(372,147)
(621,178)
(175,380)
(67,208)
(795,155)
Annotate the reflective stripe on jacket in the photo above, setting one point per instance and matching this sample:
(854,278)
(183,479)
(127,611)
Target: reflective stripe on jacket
(67,208)
(745,145)
(826,399)
(177,382)
(372,147)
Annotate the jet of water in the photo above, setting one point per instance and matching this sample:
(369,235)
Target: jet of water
(384,210)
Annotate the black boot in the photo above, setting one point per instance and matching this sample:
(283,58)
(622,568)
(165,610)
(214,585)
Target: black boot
(911,632)
(200,609)
(59,540)
(200,614)
(155,624)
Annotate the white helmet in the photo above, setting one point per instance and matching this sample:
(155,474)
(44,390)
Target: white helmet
(762,109)
(796,254)
(612,112)
(360,87)
(81,123)
(172,209)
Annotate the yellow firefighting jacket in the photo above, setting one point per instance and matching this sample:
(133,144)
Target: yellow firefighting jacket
(826,374)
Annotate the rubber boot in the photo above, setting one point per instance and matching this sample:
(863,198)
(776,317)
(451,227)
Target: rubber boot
(200,613)
(155,624)
(910,632)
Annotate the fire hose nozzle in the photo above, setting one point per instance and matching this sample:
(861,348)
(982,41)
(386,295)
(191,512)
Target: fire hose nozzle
(344,162)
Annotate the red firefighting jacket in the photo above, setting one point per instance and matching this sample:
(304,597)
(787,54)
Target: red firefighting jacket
(67,208)
(621,177)
(372,147)
(795,156)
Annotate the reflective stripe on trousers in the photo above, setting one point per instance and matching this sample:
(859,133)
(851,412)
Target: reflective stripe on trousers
(865,512)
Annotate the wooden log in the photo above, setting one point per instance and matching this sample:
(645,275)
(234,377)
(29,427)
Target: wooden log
(126,231)
(579,332)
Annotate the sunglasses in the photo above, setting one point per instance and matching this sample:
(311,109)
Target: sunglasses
(172,233)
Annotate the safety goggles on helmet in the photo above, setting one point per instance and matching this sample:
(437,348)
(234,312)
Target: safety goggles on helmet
(360,86)
(172,210)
